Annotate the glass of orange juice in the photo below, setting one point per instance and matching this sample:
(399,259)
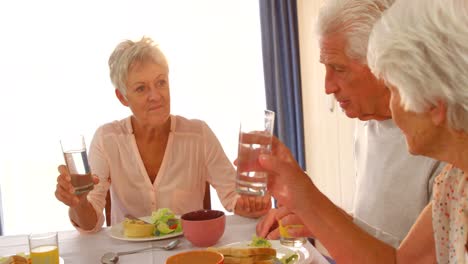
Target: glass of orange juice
(286,239)
(43,248)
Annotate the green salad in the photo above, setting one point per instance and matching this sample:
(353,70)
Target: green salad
(259,242)
(165,222)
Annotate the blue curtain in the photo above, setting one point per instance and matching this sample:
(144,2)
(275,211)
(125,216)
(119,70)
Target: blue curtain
(282,72)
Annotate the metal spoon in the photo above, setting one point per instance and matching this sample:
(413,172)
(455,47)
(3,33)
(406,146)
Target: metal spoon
(112,257)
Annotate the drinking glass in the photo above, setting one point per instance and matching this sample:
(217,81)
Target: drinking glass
(74,152)
(255,138)
(43,248)
(288,240)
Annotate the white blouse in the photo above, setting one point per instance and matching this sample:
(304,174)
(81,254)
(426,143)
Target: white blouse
(193,156)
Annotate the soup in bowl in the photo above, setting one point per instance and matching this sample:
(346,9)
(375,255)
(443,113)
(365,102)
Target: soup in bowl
(196,257)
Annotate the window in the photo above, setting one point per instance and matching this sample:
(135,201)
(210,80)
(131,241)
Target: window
(55,79)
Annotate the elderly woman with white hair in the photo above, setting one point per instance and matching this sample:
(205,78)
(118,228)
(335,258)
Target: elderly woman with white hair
(151,159)
(420,50)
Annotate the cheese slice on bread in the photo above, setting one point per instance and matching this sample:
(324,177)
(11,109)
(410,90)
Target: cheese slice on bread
(246,255)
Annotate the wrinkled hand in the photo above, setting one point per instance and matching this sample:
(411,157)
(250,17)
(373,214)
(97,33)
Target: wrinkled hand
(65,192)
(253,206)
(286,180)
(268,226)
(288,218)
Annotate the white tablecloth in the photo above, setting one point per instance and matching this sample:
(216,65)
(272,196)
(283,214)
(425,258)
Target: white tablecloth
(76,248)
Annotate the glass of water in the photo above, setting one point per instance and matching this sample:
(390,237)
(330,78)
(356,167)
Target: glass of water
(255,138)
(74,152)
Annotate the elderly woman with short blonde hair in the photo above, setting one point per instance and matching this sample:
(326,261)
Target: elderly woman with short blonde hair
(151,159)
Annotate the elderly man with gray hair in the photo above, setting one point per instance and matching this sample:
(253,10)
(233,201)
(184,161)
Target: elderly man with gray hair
(392,186)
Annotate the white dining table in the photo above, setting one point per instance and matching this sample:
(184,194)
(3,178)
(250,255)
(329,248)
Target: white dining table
(76,248)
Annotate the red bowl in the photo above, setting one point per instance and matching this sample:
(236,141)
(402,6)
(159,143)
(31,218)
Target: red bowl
(196,257)
(203,228)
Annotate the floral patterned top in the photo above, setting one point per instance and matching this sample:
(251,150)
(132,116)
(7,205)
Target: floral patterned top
(450,216)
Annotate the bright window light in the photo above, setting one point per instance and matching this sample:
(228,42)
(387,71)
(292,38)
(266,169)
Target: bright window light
(55,80)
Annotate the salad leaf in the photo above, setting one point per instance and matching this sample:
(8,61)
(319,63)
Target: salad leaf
(161,215)
(165,221)
(164,228)
(259,242)
(179,227)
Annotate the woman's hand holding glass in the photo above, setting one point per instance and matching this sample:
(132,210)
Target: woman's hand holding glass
(253,206)
(65,192)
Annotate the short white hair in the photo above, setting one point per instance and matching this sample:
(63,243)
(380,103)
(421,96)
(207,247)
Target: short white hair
(127,53)
(421,48)
(354,19)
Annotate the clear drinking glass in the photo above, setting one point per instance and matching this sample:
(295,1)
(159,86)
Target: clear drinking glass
(255,138)
(288,240)
(43,248)
(74,152)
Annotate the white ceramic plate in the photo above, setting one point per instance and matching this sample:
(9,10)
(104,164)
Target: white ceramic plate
(281,250)
(117,232)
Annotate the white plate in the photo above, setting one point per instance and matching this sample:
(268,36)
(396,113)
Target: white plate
(281,250)
(117,232)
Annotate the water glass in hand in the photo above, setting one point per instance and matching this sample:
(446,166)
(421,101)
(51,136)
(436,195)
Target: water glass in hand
(255,138)
(74,152)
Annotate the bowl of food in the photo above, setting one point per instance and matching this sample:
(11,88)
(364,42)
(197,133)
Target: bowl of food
(196,257)
(203,228)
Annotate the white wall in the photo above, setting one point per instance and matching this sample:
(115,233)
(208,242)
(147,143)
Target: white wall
(54,79)
(328,134)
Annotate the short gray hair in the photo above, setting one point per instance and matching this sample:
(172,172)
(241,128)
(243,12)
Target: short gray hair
(353,18)
(421,47)
(127,53)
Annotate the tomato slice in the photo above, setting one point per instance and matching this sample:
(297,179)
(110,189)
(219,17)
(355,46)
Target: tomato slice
(172,223)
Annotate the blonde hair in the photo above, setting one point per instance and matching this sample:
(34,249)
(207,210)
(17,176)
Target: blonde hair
(127,53)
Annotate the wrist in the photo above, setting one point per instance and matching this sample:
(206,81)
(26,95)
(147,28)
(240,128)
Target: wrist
(83,204)
(309,194)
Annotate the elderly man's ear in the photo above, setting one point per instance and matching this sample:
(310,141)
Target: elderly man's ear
(122,98)
(438,113)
